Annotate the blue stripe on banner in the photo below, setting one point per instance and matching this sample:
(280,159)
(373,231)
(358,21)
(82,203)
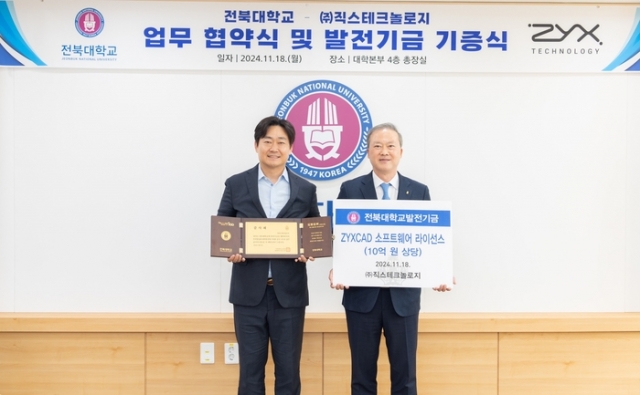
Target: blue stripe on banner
(10,33)
(6,59)
(393,217)
(635,66)
(631,49)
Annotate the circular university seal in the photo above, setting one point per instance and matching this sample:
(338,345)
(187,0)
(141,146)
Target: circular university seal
(353,217)
(89,22)
(332,122)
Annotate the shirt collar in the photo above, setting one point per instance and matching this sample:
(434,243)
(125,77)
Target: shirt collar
(395,181)
(284,175)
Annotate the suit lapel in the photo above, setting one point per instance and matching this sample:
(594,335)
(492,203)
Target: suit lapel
(367,188)
(251,178)
(404,188)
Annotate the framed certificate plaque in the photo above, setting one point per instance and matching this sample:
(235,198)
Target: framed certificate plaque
(271,237)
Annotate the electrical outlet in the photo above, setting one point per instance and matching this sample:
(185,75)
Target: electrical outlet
(231,356)
(206,353)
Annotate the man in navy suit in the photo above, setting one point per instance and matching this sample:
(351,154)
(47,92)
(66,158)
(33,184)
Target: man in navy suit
(372,310)
(269,296)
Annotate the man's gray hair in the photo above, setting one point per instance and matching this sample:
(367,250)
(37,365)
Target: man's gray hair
(386,125)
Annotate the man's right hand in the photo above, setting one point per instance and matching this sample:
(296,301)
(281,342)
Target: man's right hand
(336,286)
(236,258)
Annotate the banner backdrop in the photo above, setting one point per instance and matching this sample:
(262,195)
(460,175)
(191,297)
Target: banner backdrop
(314,36)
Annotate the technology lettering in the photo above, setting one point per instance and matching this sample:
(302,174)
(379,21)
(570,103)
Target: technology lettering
(538,37)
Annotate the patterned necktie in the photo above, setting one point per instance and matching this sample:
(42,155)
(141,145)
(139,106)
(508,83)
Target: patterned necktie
(385,191)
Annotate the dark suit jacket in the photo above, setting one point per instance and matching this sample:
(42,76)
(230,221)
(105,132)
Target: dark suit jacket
(249,279)
(406,301)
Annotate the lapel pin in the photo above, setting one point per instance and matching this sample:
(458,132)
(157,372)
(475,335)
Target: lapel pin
(407,192)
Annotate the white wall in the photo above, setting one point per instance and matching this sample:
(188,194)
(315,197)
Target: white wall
(108,179)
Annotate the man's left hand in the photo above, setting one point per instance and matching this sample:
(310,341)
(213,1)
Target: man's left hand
(304,259)
(444,287)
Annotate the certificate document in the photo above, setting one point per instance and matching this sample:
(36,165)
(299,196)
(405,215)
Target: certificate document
(392,243)
(271,237)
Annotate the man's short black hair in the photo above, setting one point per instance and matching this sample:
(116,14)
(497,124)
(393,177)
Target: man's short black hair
(266,123)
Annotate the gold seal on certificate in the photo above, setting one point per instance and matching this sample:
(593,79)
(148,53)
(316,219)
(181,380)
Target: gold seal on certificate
(271,237)
(225,235)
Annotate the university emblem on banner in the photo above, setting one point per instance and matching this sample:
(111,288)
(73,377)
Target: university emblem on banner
(353,217)
(89,22)
(332,123)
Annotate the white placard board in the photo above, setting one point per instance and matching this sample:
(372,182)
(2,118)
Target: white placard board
(392,243)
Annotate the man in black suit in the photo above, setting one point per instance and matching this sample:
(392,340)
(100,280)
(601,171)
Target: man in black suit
(269,296)
(372,310)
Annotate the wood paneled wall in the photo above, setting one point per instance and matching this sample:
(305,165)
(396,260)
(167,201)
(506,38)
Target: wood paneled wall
(158,354)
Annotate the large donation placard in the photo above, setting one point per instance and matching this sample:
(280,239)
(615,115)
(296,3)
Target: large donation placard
(392,243)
